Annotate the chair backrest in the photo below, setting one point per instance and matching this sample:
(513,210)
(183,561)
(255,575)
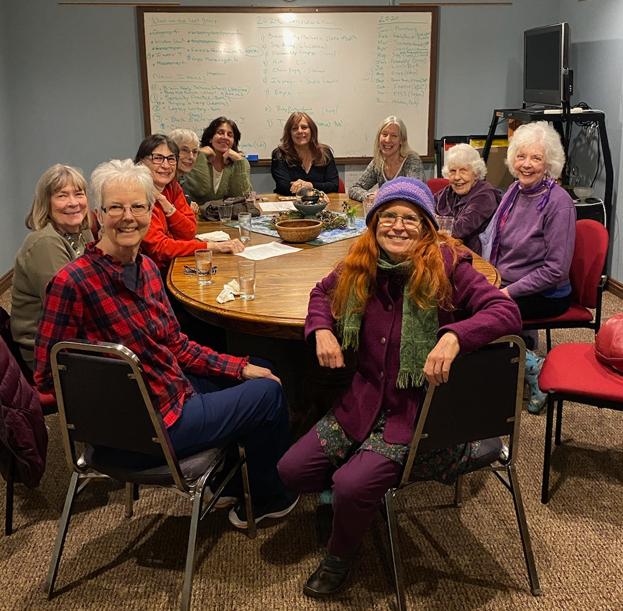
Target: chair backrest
(103,401)
(342,187)
(7,336)
(589,258)
(437,184)
(482,399)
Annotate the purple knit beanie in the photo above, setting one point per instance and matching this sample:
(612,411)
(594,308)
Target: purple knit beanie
(409,189)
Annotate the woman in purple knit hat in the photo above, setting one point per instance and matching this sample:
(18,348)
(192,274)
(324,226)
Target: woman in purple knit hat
(408,302)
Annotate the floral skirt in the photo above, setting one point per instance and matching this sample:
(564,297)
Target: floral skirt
(442,465)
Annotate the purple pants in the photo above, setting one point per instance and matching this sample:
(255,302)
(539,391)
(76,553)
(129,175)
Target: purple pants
(358,487)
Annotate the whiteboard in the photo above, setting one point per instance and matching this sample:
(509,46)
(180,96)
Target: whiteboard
(347,67)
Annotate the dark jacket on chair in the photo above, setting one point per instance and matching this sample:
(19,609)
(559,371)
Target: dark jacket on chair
(22,427)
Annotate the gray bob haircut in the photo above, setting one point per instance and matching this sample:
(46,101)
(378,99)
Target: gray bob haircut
(123,172)
(184,136)
(52,181)
(528,135)
(405,149)
(464,155)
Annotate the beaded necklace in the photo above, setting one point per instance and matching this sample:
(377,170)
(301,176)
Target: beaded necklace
(77,248)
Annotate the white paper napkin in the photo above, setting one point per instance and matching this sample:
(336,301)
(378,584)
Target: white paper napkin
(213,236)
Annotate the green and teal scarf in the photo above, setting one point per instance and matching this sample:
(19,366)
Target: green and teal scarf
(418,335)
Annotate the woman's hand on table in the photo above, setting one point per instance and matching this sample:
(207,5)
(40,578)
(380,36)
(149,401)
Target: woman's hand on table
(230,246)
(297,185)
(194,206)
(254,372)
(328,349)
(437,366)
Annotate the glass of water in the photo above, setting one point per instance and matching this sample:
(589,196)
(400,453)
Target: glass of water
(224,212)
(244,226)
(203,263)
(246,279)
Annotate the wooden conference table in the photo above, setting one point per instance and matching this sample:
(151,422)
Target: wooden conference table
(272,324)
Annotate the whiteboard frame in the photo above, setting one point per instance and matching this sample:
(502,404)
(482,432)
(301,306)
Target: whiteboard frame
(432,10)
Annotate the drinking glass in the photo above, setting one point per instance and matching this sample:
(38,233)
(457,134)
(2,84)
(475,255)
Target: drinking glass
(244,226)
(246,279)
(224,212)
(250,197)
(446,223)
(203,263)
(368,202)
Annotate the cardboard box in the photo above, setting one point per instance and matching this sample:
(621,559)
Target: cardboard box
(497,172)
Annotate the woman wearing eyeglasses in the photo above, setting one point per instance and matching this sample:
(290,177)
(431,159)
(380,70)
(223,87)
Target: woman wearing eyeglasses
(59,232)
(173,224)
(188,143)
(220,171)
(408,301)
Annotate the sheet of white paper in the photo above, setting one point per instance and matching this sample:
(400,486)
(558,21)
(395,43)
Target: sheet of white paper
(213,236)
(276,206)
(266,251)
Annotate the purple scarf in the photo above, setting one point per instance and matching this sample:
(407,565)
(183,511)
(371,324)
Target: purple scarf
(505,206)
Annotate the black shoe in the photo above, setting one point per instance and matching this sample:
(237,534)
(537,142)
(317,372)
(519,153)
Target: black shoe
(277,507)
(329,577)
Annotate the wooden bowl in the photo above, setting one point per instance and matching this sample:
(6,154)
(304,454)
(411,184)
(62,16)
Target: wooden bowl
(298,230)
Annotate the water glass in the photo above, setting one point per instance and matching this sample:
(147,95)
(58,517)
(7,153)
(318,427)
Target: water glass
(246,279)
(368,202)
(250,197)
(446,223)
(244,226)
(203,264)
(224,212)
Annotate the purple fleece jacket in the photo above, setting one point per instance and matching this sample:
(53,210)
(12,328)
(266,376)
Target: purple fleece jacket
(536,248)
(471,212)
(482,314)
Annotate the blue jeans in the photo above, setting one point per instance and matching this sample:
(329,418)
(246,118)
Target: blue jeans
(253,412)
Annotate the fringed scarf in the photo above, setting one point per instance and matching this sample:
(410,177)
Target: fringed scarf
(418,335)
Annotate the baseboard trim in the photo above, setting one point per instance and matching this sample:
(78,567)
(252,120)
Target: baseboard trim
(615,287)
(6,282)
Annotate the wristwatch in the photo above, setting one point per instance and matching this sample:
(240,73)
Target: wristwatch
(171,211)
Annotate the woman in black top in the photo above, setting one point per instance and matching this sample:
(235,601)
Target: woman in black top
(301,161)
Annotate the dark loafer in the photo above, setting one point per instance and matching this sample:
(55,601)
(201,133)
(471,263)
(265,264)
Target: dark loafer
(329,577)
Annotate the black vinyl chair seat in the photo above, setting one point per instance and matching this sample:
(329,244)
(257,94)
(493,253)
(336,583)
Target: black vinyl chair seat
(117,465)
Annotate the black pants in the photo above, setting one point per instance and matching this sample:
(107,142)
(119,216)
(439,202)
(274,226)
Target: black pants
(537,306)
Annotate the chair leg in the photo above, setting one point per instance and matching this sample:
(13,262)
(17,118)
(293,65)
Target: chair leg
(557,439)
(535,586)
(129,499)
(8,507)
(548,336)
(62,533)
(458,492)
(395,549)
(190,553)
(548,449)
(251,526)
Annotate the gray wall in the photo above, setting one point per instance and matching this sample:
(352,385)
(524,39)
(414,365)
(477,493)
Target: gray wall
(70,88)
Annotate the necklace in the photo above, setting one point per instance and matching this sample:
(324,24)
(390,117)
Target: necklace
(77,248)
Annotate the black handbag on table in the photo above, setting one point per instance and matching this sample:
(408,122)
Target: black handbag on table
(209,210)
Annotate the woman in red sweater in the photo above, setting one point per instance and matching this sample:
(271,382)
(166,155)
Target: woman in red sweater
(173,224)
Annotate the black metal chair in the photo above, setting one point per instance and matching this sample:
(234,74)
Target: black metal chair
(481,401)
(103,402)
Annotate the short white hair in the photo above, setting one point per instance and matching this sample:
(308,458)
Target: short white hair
(184,136)
(464,155)
(121,171)
(530,134)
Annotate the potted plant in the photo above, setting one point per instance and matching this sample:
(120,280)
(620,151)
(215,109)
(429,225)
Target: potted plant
(351,212)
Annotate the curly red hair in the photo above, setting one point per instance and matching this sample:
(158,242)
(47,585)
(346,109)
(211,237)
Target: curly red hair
(429,285)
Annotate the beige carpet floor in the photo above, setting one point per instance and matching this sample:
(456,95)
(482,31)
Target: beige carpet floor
(454,559)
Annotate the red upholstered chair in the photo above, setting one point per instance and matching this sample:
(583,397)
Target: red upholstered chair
(587,282)
(571,372)
(437,184)
(342,187)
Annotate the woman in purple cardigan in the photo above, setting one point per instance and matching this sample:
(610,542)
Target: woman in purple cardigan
(469,199)
(409,302)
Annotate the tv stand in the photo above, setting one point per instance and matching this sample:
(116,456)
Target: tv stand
(566,116)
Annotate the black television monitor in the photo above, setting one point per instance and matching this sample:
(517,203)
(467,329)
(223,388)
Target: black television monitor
(546,75)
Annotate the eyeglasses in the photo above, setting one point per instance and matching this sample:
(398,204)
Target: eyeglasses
(409,221)
(187,151)
(159,159)
(117,211)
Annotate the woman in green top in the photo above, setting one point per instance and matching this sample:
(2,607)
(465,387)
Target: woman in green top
(220,171)
(59,231)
